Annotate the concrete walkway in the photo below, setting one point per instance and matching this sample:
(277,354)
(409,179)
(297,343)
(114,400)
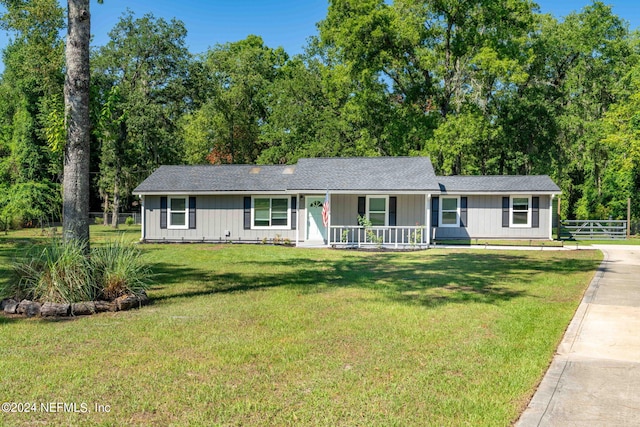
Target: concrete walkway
(594,379)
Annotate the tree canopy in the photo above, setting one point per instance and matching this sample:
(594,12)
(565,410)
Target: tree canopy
(480,86)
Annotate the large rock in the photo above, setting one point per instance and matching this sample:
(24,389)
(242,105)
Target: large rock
(51,309)
(10,306)
(28,308)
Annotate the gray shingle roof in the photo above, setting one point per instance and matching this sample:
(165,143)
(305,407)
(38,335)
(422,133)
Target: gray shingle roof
(210,178)
(364,174)
(497,184)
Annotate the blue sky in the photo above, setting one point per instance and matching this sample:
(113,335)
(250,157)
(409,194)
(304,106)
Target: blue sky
(286,23)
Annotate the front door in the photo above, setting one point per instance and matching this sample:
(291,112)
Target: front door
(316,230)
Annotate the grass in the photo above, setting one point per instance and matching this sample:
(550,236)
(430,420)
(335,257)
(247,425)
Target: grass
(264,335)
(504,242)
(633,240)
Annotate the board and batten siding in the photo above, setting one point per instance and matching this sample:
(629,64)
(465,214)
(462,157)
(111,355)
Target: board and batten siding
(410,209)
(215,215)
(484,221)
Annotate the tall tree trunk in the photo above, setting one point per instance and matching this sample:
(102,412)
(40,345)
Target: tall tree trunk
(105,207)
(75,199)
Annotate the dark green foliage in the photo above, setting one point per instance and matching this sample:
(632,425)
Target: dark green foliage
(30,88)
(482,87)
(140,88)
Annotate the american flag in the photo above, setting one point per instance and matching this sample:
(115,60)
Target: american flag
(325,210)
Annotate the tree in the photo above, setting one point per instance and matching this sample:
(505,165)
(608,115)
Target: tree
(75,203)
(440,59)
(621,139)
(577,74)
(226,128)
(31,90)
(141,82)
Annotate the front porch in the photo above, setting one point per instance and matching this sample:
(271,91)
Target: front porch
(396,237)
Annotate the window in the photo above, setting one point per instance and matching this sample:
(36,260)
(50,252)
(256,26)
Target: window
(178,212)
(449,215)
(520,211)
(270,212)
(377,210)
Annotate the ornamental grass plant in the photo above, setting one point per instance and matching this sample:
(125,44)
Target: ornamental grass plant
(120,269)
(58,272)
(61,272)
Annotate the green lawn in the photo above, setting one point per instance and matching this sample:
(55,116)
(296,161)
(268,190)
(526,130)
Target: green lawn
(263,335)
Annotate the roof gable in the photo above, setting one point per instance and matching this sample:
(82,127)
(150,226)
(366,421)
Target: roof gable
(364,174)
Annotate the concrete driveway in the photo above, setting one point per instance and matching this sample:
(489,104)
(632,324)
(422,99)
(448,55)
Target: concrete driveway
(594,379)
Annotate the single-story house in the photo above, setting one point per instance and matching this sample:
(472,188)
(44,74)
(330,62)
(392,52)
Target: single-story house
(396,201)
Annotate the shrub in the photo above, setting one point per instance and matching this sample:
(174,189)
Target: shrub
(129,221)
(59,272)
(99,220)
(119,269)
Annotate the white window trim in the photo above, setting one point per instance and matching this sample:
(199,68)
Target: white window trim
(528,224)
(442,224)
(186,213)
(386,208)
(270,227)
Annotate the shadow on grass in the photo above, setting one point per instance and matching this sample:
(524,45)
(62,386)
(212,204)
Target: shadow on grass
(5,320)
(435,279)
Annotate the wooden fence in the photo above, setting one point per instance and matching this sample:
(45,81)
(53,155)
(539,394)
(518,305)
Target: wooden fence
(593,229)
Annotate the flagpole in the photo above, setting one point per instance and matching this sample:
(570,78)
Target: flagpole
(326,217)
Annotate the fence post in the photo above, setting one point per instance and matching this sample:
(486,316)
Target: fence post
(628,217)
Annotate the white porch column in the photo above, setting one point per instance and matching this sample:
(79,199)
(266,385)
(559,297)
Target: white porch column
(144,214)
(427,219)
(551,216)
(328,197)
(298,210)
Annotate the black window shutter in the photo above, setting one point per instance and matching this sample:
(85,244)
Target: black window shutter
(247,213)
(294,212)
(163,212)
(505,212)
(535,212)
(393,206)
(362,206)
(192,213)
(463,211)
(435,207)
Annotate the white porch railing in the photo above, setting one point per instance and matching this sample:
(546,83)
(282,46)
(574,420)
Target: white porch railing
(396,237)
